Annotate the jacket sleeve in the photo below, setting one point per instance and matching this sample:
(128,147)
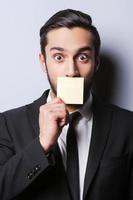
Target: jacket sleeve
(18,170)
(130,188)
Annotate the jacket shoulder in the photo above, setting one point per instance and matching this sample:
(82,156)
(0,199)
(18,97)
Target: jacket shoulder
(117,110)
(21,113)
(16,112)
(120,110)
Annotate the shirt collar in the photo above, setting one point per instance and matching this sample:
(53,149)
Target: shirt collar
(85,110)
(49,97)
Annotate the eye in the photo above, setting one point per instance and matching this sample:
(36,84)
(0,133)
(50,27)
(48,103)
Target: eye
(58,57)
(83,58)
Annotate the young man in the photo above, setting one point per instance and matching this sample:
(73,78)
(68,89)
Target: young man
(34,145)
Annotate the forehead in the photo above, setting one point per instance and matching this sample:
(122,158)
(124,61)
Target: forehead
(72,39)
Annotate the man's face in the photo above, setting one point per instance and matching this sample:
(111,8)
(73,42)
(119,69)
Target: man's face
(69,53)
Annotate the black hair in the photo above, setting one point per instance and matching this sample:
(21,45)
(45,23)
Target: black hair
(69,18)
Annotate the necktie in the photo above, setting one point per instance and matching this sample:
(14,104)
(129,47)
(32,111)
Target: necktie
(72,158)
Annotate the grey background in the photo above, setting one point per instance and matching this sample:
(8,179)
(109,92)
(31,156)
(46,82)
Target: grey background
(21,78)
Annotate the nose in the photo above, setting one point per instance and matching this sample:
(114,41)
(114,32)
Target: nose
(71,69)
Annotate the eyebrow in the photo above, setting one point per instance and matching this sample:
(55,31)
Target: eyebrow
(86,48)
(57,48)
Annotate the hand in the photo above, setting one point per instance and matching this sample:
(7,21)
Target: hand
(53,116)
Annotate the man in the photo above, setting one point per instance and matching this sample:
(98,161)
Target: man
(33,138)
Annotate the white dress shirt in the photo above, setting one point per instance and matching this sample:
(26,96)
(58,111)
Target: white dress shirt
(83,130)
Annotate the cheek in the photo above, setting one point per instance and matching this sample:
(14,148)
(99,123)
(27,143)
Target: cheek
(55,72)
(87,72)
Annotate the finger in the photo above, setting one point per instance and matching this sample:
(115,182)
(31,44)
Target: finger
(56,100)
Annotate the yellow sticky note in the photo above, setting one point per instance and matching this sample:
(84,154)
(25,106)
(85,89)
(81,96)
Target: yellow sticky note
(70,90)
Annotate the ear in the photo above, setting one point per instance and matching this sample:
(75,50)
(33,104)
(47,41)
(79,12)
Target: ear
(97,63)
(42,62)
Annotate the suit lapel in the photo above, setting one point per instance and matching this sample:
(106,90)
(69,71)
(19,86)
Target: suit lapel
(33,111)
(100,132)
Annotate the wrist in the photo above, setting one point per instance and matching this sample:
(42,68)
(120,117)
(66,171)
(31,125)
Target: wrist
(45,146)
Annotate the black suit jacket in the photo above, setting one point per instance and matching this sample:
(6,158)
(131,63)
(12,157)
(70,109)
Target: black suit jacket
(27,173)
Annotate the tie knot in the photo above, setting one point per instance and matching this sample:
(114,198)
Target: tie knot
(73,117)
